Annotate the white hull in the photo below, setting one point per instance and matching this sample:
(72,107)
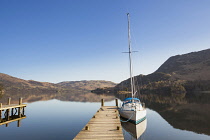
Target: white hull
(133,116)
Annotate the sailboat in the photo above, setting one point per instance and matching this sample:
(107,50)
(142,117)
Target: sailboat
(132,110)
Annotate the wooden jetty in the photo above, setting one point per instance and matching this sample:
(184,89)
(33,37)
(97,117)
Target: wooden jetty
(105,124)
(12,112)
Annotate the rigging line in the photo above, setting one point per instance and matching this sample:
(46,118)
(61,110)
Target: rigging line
(137,86)
(135,44)
(130,56)
(129,118)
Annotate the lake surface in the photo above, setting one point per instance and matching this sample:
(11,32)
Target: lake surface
(60,120)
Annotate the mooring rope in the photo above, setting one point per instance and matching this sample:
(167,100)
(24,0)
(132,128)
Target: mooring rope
(128,119)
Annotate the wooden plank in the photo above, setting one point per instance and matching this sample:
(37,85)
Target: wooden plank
(12,106)
(105,124)
(6,122)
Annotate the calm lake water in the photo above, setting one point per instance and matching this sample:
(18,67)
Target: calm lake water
(62,120)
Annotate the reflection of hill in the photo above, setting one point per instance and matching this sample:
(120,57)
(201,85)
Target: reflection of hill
(193,117)
(35,91)
(76,96)
(190,113)
(85,97)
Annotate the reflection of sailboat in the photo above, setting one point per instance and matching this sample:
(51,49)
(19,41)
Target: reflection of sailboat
(132,109)
(135,131)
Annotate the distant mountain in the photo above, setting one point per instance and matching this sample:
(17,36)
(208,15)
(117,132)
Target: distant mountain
(28,89)
(86,85)
(33,90)
(9,81)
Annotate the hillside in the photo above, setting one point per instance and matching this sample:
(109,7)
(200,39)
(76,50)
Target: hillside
(9,81)
(191,66)
(34,90)
(86,85)
(179,75)
(12,82)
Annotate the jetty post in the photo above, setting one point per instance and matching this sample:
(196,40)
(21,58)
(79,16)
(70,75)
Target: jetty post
(18,123)
(0,112)
(116,101)
(102,102)
(19,108)
(8,110)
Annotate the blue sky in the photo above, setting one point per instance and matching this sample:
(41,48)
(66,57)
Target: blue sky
(71,40)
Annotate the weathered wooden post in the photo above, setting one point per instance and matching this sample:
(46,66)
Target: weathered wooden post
(23,110)
(102,102)
(19,108)
(9,100)
(0,111)
(8,110)
(7,114)
(18,123)
(12,112)
(19,112)
(87,128)
(20,101)
(116,100)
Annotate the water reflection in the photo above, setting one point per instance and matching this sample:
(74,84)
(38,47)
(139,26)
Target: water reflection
(13,118)
(55,119)
(191,113)
(132,131)
(77,96)
(62,116)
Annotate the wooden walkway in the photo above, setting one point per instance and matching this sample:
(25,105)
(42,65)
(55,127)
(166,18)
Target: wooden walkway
(105,124)
(12,112)
(4,107)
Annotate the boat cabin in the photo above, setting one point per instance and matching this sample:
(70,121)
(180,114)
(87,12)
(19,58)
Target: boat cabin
(131,100)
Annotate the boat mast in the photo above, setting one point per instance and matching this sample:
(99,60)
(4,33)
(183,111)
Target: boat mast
(130,56)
